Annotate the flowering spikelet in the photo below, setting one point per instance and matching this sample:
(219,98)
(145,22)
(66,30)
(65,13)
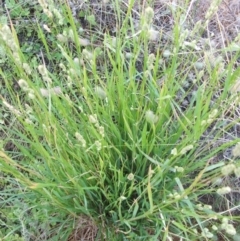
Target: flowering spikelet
(186,149)
(151,117)
(149,14)
(53,91)
(42,3)
(237,172)
(44,6)
(70,34)
(130,176)
(224,190)
(80,138)
(63,67)
(98,145)
(27,68)
(58,16)
(46,28)
(206,233)
(150,61)
(174,151)
(31,94)
(101,131)
(93,119)
(23,84)
(11,108)
(236,150)
(212,9)
(228,169)
(48,13)
(229,228)
(213,114)
(42,70)
(5,33)
(47,79)
(179,169)
(7,36)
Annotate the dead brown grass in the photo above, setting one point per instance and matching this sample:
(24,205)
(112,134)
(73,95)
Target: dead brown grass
(224,25)
(85,230)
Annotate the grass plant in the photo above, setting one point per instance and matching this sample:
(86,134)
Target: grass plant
(100,143)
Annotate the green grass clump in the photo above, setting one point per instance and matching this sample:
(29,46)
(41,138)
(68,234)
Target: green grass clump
(97,139)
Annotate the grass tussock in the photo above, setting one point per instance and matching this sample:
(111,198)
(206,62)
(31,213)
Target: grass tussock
(123,132)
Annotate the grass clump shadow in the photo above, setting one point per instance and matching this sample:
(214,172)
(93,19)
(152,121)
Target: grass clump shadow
(112,146)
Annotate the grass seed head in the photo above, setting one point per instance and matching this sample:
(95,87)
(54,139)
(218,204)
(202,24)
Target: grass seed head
(186,149)
(23,85)
(151,117)
(206,233)
(27,68)
(98,145)
(228,169)
(148,15)
(236,150)
(42,70)
(224,190)
(130,176)
(80,138)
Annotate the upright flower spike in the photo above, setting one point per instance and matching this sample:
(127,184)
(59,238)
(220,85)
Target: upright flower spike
(150,61)
(101,131)
(27,68)
(5,33)
(98,145)
(80,138)
(149,14)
